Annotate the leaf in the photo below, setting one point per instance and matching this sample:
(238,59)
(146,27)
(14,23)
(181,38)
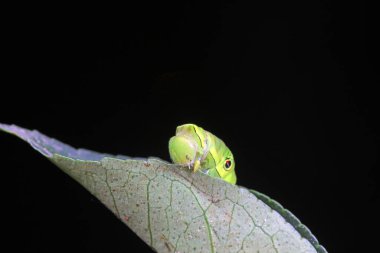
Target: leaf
(174,210)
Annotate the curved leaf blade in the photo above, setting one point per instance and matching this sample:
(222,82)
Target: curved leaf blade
(174,210)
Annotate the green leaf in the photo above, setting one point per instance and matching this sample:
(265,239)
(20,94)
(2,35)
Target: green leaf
(174,210)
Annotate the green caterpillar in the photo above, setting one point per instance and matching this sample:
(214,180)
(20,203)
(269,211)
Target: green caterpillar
(201,150)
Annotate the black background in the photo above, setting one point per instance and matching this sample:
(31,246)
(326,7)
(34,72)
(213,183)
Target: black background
(290,87)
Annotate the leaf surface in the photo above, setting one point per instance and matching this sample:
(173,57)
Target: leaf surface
(174,210)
